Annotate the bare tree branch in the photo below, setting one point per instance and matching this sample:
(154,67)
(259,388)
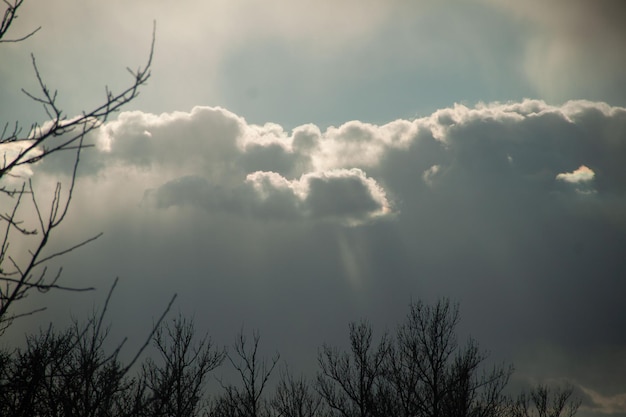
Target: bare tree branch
(254,373)
(10,14)
(26,271)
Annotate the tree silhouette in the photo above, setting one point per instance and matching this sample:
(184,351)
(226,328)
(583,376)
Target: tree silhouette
(295,397)
(175,385)
(545,401)
(349,382)
(71,373)
(431,375)
(246,399)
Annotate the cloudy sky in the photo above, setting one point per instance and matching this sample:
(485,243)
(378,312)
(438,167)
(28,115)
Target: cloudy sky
(293,166)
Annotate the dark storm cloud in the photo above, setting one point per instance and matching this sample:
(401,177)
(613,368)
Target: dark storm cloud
(515,209)
(341,193)
(211,158)
(534,144)
(344,195)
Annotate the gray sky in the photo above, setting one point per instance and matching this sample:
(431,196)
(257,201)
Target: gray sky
(293,166)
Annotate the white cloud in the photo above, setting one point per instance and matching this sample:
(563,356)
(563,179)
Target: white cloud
(345,195)
(581,175)
(213,159)
(9,151)
(358,144)
(581,178)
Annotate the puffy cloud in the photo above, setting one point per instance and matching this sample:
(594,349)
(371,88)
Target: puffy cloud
(580,175)
(493,142)
(582,179)
(214,159)
(358,144)
(200,139)
(346,194)
(9,151)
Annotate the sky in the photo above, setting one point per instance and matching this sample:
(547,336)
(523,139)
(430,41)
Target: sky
(294,166)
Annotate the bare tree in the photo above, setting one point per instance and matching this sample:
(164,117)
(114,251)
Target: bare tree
(425,344)
(431,375)
(349,382)
(176,384)
(70,373)
(246,400)
(24,271)
(544,401)
(27,381)
(294,397)
(471,391)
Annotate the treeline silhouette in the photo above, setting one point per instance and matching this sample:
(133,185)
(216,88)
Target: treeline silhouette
(419,370)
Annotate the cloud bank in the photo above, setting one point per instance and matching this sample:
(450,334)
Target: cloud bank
(212,159)
(515,209)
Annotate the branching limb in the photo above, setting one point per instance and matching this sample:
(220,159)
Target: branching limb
(10,14)
(27,271)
